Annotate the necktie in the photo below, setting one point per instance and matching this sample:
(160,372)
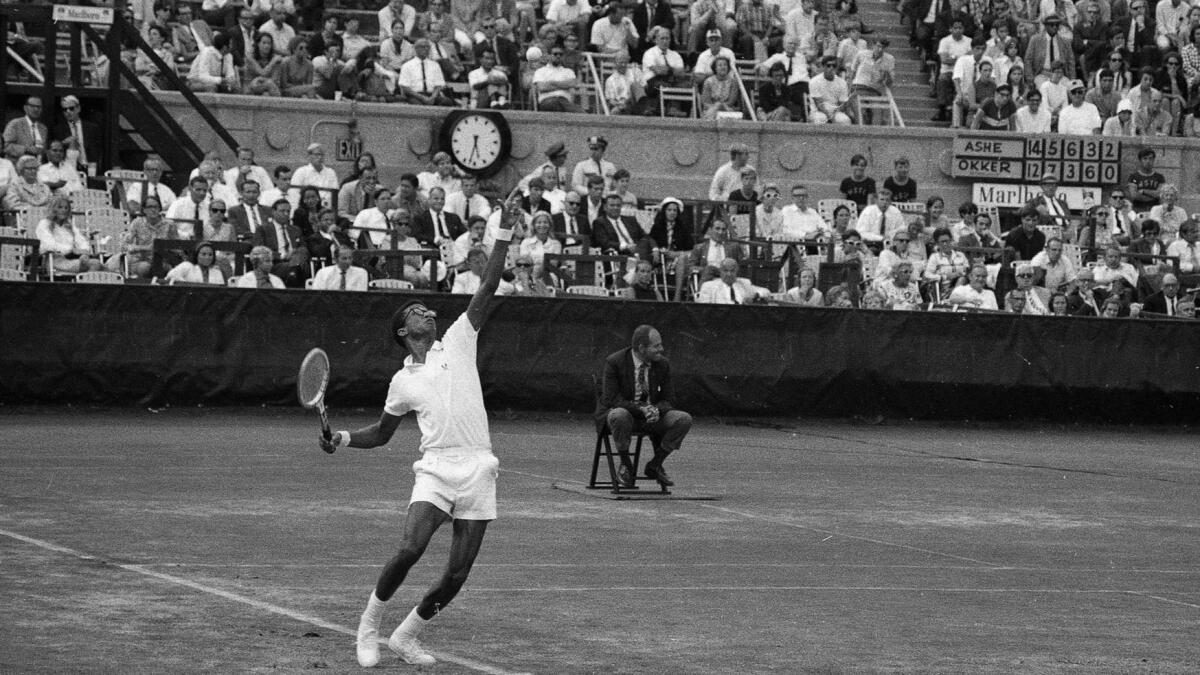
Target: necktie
(1052,59)
(78,129)
(197,224)
(622,234)
(281,234)
(424,82)
(641,393)
(670,233)
(1170,306)
(441,227)
(342,283)
(252,212)
(733,296)
(37,136)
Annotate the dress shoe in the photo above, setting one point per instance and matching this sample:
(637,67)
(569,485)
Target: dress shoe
(659,474)
(625,477)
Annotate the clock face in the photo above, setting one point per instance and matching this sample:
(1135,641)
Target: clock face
(475,142)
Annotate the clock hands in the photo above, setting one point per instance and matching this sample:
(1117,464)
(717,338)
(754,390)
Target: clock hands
(474,149)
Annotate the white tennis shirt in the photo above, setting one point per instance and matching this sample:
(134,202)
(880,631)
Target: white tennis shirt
(445,393)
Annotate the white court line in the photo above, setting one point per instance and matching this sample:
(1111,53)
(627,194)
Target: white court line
(257,604)
(1167,600)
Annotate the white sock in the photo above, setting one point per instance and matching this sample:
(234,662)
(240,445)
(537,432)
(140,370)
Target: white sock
(373,614)
(412,624)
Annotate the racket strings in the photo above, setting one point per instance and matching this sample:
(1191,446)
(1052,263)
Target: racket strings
(314,374)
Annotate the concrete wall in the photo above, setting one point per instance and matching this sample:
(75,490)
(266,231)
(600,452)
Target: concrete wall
(666,156)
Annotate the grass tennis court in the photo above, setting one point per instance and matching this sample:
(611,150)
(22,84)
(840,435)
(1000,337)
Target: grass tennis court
(226,541)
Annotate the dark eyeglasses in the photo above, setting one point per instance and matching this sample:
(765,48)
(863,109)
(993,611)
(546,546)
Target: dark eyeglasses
(1025,276)
(901,241)
(1115,59)
(556,53)
(943,241)
(1172,63)
(524,264)
(71,107)
(1117,197)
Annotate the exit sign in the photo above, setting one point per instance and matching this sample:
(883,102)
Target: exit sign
(349,149)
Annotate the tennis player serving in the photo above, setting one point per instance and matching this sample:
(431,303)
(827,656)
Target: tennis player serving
(456,477)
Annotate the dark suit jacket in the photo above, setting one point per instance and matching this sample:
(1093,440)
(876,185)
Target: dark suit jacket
(700,253)
(663,16)
(266,237)
(237,46)
(508,57)
(91,138)
(1157,303)
(1076,306)
(620,386)
(424,231)
(320,247)
(241,221)
(558,224)
(605,237)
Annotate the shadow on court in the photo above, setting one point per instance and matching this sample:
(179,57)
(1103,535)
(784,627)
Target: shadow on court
(226,541)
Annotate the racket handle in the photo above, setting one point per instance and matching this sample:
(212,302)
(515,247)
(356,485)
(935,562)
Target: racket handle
(325,432)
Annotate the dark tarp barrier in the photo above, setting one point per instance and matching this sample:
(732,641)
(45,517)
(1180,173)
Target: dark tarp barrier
(219,346)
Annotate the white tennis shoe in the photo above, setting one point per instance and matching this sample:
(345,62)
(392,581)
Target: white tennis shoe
(367,646)
(409,649)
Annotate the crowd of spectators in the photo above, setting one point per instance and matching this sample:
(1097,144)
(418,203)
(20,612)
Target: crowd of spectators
(905,249)
(804,60)
(1073,67)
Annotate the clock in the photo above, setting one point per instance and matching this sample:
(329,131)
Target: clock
(479,141)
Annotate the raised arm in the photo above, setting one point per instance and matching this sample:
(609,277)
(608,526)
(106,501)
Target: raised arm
(477,310)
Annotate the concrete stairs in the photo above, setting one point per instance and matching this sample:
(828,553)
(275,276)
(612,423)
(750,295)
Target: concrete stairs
(911,89)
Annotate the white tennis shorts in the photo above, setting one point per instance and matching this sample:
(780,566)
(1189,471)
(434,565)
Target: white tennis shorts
(463,486)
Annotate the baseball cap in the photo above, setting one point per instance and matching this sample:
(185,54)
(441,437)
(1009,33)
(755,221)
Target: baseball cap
(1075,84)
(714,33)
(1124,106)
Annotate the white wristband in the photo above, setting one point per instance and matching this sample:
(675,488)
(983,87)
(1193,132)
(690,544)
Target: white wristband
(341,438)
(504,235)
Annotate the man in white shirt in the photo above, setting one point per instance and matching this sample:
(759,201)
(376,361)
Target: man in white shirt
(373,222)
(882,219)
(190,211)
(798,221)
(729,176)
(554,83)
(949,49)
(279,30)
(213,69)
(704,61)
(661,65)
(57,173)
(343,276)
(468,203)
(623,89)
(152,167)
(281,188)
(729,288)
(595,164)
(1078,117)
(1033,117)
(800,23)
(489,84)
(316,174)
(246,170)
(614,34)
(569,16)
(964,75)
(421,80)
(1056,270)
(1185,247)
(830,95)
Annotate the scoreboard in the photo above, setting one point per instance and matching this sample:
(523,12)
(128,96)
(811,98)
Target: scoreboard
(1075,160)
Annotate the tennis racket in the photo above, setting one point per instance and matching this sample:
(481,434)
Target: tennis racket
(310,386)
